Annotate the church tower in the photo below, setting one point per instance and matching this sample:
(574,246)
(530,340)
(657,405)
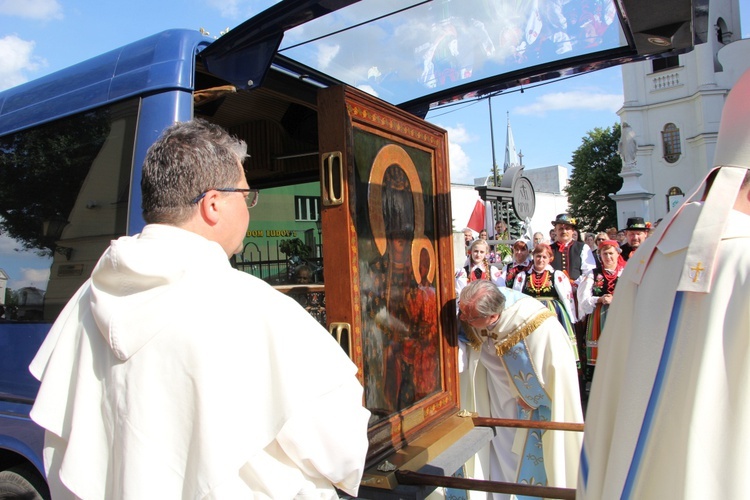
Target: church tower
(672,107)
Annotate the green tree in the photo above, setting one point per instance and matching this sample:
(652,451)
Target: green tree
(41,173)
(294,247)
(596,165)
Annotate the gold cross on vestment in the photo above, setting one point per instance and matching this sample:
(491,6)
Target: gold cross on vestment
(485,333)
(698,269)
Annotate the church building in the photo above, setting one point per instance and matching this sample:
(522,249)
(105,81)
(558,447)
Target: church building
(672,110)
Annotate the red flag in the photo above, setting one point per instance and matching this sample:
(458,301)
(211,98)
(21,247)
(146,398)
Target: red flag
(476,221)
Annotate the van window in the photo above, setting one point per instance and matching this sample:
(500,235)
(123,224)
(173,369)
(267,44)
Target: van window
(64,191)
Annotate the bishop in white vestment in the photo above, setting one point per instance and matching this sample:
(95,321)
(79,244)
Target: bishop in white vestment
(522,366)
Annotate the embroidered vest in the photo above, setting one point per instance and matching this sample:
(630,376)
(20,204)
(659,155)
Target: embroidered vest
(568,260)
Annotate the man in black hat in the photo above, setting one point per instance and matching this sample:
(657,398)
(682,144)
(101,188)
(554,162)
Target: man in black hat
(572,257)
(575,259)
(635,232)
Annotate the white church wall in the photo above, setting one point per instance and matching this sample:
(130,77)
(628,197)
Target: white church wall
(691,96)
(549,184)
(547,207)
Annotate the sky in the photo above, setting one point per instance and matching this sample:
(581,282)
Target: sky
(548,122)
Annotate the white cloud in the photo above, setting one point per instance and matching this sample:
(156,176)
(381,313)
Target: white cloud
(227,8)
(368,89)
(36,276)
(32,9)
(31,277)
(459,160)
(11,249)
(459,134)
(326,54)
(575,100)
(238,9)
(7,244)
(16,58)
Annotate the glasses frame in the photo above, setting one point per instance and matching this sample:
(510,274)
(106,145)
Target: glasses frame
(250,202)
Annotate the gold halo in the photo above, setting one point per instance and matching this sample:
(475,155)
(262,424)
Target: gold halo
(393,154)
(416,249)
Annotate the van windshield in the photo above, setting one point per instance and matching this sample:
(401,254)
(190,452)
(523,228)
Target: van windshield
(400,50)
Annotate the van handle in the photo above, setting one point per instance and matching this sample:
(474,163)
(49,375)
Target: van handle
(342,332)
(332,179)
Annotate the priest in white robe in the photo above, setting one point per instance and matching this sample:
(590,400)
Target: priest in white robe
(518,363)
(172,375)
(669,407)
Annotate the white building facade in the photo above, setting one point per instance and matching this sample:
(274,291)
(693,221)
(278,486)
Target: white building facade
(673,106)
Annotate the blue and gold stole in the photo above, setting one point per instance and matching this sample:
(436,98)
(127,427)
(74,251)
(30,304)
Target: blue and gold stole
(517,361)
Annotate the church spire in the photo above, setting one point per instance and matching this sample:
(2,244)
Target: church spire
(511,157)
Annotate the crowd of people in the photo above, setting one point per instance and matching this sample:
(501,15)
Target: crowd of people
(536,315)
(659,312)
(566,273)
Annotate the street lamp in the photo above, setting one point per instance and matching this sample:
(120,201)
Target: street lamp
(319,225)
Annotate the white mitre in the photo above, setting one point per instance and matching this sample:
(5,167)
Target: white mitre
(731,161)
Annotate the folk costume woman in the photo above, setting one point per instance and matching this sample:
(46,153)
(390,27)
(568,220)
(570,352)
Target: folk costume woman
(551,287)
(521,261)
(595,295)
(478,267)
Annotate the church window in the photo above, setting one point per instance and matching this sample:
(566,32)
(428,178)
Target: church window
(723,33)
(670,137)
(665,63)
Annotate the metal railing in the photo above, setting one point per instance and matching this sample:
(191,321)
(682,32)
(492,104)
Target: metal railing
(411,478)
(274,266)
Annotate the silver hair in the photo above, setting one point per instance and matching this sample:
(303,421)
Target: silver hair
(483,297)
(188,159)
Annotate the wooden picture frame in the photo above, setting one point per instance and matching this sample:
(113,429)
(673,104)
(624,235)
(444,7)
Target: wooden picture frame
(385,187)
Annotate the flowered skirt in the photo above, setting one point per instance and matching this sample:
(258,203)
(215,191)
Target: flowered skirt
(557,307)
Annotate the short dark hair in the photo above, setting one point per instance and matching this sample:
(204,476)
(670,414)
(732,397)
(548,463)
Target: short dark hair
(188,159)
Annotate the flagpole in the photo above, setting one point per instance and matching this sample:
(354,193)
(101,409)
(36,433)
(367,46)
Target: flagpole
(494,161)
(492,140)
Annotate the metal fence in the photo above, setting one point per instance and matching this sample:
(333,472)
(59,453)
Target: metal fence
(281,271)
(273,266)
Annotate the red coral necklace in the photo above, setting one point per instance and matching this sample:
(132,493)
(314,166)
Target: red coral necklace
(537,281)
